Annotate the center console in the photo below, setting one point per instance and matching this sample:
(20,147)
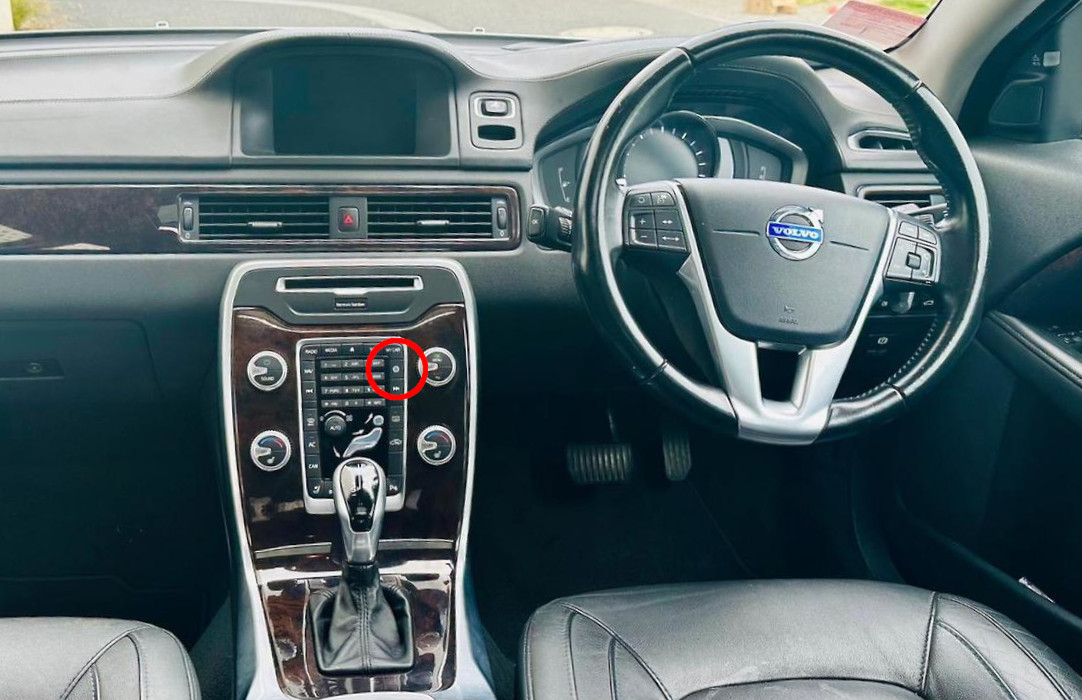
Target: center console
(350,398)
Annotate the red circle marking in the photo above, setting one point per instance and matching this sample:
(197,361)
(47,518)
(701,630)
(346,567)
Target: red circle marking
(412,346)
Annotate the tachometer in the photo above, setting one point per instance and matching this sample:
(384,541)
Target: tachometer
(680,144)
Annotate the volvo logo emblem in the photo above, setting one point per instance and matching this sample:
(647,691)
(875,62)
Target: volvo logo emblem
(796,233)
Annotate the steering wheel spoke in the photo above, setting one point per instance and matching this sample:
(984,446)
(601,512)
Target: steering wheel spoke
(800,417)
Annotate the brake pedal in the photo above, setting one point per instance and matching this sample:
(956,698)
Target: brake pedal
(676,451)
(600,464)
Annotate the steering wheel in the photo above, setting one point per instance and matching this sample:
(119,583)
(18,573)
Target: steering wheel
(780,266)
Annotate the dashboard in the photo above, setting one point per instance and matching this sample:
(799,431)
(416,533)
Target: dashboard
(140,168)
(681,144)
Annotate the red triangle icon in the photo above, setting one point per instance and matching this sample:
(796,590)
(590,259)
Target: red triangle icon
(347,220)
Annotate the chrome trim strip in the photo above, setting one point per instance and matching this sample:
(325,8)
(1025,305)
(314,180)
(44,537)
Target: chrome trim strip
(297,550)
(259,681)
(416,285)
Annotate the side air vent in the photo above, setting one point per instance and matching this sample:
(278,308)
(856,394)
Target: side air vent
(907,200)
(263,217)
(441,216)
(876,140)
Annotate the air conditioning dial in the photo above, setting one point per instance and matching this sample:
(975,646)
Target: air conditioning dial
(436,445)
(270,450)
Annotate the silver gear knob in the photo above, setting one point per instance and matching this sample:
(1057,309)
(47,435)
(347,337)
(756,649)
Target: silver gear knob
(360,499)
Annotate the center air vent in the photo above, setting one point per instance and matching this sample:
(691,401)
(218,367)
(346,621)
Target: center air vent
(245,217)
(385,216)
(441,216)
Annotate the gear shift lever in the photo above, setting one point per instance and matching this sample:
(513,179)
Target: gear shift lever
(362,626)
(360,499)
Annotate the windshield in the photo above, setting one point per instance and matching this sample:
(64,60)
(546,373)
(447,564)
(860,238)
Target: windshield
(881,22)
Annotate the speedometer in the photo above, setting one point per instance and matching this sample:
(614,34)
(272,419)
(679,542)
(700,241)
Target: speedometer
(680,144)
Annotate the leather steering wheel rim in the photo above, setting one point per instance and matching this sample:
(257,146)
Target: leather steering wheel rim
(936,137)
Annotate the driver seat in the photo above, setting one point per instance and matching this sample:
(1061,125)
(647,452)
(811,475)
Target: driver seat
(783,639)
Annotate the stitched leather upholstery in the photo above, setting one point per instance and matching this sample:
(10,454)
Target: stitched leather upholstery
(783,639)
(88,659)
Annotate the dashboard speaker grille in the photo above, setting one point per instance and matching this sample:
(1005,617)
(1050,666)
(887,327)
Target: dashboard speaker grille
(241,217)
(427,216)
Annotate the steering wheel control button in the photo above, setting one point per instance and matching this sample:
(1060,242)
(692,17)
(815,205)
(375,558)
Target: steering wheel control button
(671,240)
(644,237)
(642,199)
(662,199)
(441,366)
(270,450)
(925,271)
(436,445)
(267,370)
(643,219)
(898,267)
(668,220)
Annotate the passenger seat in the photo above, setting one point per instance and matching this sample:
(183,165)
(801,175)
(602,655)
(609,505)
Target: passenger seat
(49,658)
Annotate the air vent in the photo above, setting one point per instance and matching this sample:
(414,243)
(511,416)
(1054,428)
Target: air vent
(874,140)
(440,216)
(263,217)
(907,200)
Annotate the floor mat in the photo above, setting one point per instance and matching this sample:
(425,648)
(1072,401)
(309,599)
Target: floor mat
(535,537)
(111,511)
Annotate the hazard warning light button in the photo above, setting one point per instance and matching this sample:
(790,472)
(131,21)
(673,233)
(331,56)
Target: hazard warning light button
(349,219)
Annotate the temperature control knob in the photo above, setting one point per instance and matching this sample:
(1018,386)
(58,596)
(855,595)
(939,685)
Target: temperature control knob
(436,445)
(335,424)
(271,450)
(267,370)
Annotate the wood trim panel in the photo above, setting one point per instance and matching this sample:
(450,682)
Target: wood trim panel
(99,219)
(427,580)
(290,546)
(273,501)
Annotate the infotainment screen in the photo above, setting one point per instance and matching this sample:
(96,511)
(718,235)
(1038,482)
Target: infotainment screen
(346,106)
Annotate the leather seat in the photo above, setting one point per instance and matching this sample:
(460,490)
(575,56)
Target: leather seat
(783,639)
(89,659)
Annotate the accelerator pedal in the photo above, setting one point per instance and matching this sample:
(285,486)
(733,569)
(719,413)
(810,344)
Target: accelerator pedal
(676,451)
(600,464)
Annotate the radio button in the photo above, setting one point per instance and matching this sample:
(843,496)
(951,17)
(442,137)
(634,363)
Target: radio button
(270,450)
(267,370)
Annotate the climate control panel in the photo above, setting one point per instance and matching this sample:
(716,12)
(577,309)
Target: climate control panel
(344,416)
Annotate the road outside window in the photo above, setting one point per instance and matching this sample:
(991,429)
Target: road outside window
(881,22)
